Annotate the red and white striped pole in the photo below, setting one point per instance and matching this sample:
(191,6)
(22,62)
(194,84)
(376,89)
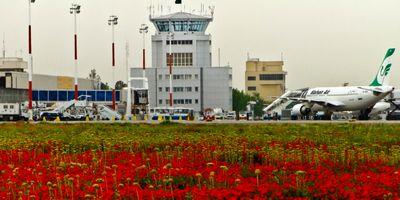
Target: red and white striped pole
(113,68)
(170,61)
(143,30)
(113,21)
(75,59)
(30,74)
(75,9)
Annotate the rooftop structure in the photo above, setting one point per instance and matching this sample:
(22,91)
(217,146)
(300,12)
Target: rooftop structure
(266,78)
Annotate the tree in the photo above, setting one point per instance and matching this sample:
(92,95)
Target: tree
(241,100)
(96,80)
(119,85)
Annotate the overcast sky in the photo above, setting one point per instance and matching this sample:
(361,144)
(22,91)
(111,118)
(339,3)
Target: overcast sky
(324,43)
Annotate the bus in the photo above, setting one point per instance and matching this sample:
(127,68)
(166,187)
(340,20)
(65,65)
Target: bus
(174,113)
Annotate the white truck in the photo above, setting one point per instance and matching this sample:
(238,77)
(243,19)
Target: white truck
(10,111)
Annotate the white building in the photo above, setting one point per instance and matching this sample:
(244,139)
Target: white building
(196,84)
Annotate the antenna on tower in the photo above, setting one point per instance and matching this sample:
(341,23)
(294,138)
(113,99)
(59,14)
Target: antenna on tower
(4,45)
(127,61)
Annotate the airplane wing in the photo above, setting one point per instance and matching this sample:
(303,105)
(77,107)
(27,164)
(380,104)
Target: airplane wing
(320,102)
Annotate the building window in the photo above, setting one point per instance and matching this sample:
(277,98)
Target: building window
(160,101)
(160,77)
(162,26)
(251,78)
(196,76)
(178,77)
(188,101)
(188,76)
(271,77)
(196,101)
(181,59)
(160,89)
(188,89)
(167,89)
(167,101)
(180,42)
(178,89)
(196,89)
(230,76)
(251,88)
(167,77)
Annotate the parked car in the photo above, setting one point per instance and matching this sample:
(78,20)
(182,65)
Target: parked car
(231,115)
(219,116)
(242,116)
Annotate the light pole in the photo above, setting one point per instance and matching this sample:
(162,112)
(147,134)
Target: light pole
(170,62)
(112,22)
(30,112)
(75,9)
(129,90)
(143,30)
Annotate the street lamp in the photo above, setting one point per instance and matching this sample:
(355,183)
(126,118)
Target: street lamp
(143,30)
(30,112)
(75,9)
(112,22)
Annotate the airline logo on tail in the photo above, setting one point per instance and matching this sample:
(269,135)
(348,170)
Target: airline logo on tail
(382,76)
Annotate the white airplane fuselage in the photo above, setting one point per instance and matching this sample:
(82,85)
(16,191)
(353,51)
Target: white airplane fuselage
(351,98)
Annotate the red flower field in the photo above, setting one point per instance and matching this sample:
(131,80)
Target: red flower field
(134,162)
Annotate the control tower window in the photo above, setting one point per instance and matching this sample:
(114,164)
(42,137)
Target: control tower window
(181,26)
(197,26)
(163,26)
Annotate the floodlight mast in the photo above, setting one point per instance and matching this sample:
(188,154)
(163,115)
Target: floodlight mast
(30,74)
(112,22)
(75,9)
(170,62)
(144,29)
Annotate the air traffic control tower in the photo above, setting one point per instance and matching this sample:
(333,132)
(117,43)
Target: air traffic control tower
(195,82)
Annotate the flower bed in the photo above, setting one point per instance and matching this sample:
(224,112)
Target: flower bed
(199,162)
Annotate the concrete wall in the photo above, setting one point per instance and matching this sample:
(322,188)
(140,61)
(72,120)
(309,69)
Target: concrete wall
(217,86)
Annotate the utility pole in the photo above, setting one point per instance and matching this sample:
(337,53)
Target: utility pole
(112,22)
(30,111)
(170,62)
(75,9)
(129,90)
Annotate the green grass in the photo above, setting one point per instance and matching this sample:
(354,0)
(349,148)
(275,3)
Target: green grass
(92,135)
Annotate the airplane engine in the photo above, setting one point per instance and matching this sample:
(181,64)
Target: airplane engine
(379,107)
(301,109)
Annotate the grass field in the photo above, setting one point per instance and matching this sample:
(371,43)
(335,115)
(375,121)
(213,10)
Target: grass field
(171,161)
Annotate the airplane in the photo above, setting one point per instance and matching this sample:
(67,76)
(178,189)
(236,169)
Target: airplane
(365,99)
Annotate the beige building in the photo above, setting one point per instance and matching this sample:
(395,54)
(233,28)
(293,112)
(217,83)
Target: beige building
(266,78)
(13,76)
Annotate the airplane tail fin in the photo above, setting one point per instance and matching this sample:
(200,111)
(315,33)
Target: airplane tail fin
(382,77)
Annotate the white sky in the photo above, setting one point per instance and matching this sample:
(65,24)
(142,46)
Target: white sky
(325,43)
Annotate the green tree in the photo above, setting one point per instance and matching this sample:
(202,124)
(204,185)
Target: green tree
(241,100)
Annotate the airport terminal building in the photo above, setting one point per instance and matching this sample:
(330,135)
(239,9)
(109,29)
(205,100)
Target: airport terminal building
(196,83)
(46,88)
